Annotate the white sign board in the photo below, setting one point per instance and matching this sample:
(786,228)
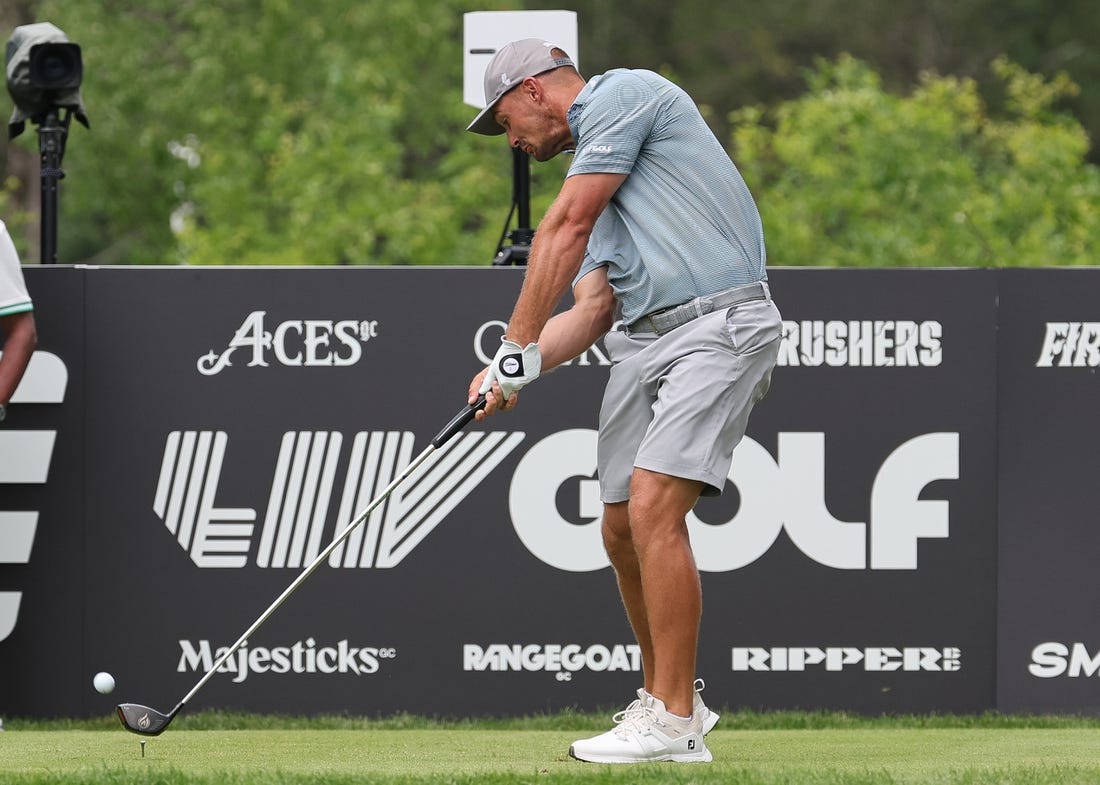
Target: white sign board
(486,31)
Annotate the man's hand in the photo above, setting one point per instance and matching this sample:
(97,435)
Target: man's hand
(512,368)
(494,398)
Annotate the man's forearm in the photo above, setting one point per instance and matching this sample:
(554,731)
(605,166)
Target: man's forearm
(556,256)
(21,338)
(558,251)
(570,333)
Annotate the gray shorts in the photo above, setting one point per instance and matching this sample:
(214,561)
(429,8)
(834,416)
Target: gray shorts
(678,404)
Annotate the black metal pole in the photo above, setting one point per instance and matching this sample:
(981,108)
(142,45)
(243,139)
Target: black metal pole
(524,233)
(51,144)
(521,179)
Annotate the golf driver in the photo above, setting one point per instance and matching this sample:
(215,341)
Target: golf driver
(150,722)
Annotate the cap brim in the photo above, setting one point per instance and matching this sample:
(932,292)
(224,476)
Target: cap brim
(484,123)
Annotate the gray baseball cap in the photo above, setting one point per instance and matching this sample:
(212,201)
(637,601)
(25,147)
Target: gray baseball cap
(512,64)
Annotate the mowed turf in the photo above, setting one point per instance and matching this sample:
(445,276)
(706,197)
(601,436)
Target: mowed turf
(767,757)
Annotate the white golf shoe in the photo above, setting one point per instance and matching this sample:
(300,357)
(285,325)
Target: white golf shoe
(646,732)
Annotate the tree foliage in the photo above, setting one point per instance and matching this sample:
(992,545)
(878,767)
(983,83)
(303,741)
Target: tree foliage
(268,132)
(740,53)
(271,132)
(849,174)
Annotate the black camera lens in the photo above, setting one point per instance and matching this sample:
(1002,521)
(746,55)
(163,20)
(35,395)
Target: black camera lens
(56,66)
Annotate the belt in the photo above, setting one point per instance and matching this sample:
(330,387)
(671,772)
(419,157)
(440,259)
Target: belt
(669,319)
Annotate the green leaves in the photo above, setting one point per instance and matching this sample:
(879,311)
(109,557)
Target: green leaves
(268,132)
(850,174)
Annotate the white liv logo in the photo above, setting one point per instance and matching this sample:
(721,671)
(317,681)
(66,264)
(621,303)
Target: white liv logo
(25,458)
(302,490)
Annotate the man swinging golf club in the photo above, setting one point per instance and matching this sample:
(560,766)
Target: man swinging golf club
(653,224)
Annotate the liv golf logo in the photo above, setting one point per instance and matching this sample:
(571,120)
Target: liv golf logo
(302,490)
(553,501)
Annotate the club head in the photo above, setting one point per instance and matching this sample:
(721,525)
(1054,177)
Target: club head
(143,720)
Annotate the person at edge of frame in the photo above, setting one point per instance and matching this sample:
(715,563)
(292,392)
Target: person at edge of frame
(653,224)
(18,335)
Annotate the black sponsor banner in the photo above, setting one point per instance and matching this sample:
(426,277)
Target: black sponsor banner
(42,512)
(868,497)
(236,419)
(1049,379)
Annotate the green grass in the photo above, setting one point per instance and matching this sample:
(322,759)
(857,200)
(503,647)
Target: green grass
(749,749)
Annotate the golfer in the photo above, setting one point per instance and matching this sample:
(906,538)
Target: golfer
(654,226)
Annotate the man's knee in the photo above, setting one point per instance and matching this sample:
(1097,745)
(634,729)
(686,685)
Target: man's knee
(617,538)
(661,500)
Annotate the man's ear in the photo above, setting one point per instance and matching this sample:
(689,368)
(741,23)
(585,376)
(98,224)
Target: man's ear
(532,88)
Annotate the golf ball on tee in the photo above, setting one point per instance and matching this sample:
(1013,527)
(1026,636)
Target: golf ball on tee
(104,682)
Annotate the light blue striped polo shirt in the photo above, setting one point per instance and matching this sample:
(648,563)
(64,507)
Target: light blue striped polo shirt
(683,223)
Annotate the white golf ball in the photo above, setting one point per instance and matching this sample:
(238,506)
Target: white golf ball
(104,682)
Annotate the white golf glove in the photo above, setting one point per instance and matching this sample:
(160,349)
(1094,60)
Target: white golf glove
(514,366)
